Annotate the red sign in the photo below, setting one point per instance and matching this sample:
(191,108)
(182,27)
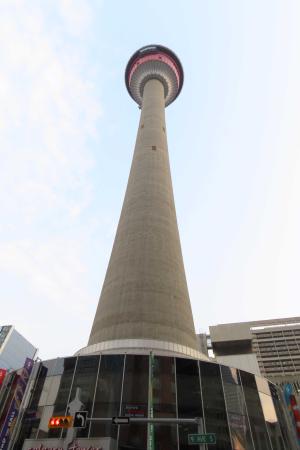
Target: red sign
(2,375)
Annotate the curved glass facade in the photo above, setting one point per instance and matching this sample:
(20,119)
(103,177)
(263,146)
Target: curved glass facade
(244,411)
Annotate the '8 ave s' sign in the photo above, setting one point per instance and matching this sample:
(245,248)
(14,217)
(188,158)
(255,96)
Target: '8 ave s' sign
(207,438)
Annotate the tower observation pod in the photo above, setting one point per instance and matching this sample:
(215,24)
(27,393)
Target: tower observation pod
(144,303)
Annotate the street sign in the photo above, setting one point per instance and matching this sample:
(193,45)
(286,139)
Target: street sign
(120,420)
(207,438)
(80,419)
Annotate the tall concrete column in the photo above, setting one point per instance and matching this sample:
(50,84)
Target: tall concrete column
(144,300)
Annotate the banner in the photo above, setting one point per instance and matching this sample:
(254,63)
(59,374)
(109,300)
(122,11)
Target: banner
(14,407)
(291,402)
(3,372)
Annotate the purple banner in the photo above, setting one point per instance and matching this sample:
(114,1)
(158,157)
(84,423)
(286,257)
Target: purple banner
(14,407)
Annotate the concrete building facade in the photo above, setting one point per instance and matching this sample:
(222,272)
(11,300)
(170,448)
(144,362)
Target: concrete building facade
(270,348)
(144,300)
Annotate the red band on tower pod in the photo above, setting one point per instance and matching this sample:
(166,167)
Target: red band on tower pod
(159,56)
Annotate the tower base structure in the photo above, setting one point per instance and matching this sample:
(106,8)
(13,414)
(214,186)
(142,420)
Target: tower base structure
(163,402)
(146,346)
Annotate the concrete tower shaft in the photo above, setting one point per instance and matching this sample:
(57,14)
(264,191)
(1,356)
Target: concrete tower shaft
(144,301)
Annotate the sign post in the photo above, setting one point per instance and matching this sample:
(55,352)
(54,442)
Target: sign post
(150,427)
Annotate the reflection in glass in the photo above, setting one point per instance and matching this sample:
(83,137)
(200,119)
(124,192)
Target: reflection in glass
(188,388)
(135,402)
(184,431)
(62,398)
(256,417)
(135,389)
(38,386)
(214,405)
(133,437)
(50,390)
(46,414)
(172,379)
(83,387)
(262,385)
(284,425)
(236,410)
(108,395)
(165,437)
(271,421)
(163,387)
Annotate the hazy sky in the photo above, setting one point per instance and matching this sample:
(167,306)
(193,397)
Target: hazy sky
(67,131)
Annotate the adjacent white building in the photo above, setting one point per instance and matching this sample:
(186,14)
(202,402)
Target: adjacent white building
(14,348)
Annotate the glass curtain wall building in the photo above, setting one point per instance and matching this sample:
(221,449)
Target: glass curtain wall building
(246,412)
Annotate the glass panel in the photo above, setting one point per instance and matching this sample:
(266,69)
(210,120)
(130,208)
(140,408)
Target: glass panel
(165,437)
(271,420)
(163,387)
(214,405)
(83,388)
(281,411)
(256,417)
(188,388)
(135,390)
(50,390)
(133,437)
(37,387)
(46,413)
(63,392)
(236,410)
(184,431)
(135,401)
(108,395)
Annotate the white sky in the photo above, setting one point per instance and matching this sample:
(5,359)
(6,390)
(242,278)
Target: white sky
(67,131)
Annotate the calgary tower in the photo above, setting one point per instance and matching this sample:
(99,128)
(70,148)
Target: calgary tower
(144,303)
(141,383)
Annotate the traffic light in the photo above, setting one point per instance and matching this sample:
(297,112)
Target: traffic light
(60,422)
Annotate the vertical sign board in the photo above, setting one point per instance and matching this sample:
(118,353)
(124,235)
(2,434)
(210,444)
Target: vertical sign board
(150,425)
(14,407)
(2,376)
